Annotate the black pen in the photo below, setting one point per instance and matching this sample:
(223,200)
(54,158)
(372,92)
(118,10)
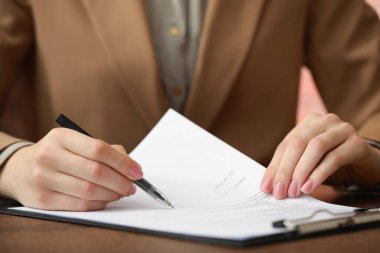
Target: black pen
(152,191)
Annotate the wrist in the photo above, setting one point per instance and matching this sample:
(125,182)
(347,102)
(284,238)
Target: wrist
(11,149)
(367,171)
(8,170)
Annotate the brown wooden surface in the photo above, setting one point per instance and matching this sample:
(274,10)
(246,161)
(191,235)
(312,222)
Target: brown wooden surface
(19,234)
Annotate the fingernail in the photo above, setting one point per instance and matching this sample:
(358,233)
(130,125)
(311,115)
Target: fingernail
(132,190)
(266,185)
(135,173)
(292,191)
(307,187)
(279,190)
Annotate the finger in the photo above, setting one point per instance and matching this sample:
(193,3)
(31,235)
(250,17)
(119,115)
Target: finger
(267,180)
(79,188)
(99,151)
(316,149)
(335,159)
(313,125)
(50,200)
(294,150)
(92,171)
(308,128)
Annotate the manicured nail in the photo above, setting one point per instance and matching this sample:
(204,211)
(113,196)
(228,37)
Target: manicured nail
(132,190)
(135,173)
(292,191)
(307,187)
(279,190)
(266,185)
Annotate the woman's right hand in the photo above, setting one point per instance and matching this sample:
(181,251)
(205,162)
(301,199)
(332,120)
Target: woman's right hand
(67,170)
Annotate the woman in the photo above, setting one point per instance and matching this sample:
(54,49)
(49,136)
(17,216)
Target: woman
(115,67)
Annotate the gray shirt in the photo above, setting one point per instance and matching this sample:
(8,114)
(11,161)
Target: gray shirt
(176,28)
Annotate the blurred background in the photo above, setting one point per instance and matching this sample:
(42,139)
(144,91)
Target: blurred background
(309,99)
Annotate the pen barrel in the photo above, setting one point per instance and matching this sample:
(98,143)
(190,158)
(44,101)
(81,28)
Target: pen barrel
(144,185)
(152,191)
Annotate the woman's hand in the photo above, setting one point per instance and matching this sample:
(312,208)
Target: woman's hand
(67,170)
(313,151)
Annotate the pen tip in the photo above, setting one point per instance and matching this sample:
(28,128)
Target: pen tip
(167,202)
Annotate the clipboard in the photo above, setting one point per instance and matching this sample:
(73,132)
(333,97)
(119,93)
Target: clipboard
(301,228)
(338,221)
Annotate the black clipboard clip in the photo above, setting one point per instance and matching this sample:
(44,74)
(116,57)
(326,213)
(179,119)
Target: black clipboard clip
(305,225)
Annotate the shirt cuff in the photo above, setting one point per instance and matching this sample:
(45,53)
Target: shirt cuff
(11,149)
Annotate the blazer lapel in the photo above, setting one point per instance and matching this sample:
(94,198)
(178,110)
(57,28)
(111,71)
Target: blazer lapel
(227,35)
(123,30)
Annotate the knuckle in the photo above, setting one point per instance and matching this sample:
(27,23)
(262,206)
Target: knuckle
(95,169)
(331,117)
(347,127)
(88,190)
(97,148)
(318,144)
(43,155)
(335,160)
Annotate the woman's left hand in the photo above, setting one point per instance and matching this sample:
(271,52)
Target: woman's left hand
(313,151)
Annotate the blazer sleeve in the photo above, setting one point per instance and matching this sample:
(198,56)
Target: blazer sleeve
(343,53)
(16,39)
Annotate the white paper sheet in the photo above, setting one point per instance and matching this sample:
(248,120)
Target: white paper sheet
(213,187)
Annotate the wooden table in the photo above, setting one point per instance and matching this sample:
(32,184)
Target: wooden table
(19,234)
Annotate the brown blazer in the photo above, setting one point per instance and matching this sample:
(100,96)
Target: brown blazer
(94,61)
